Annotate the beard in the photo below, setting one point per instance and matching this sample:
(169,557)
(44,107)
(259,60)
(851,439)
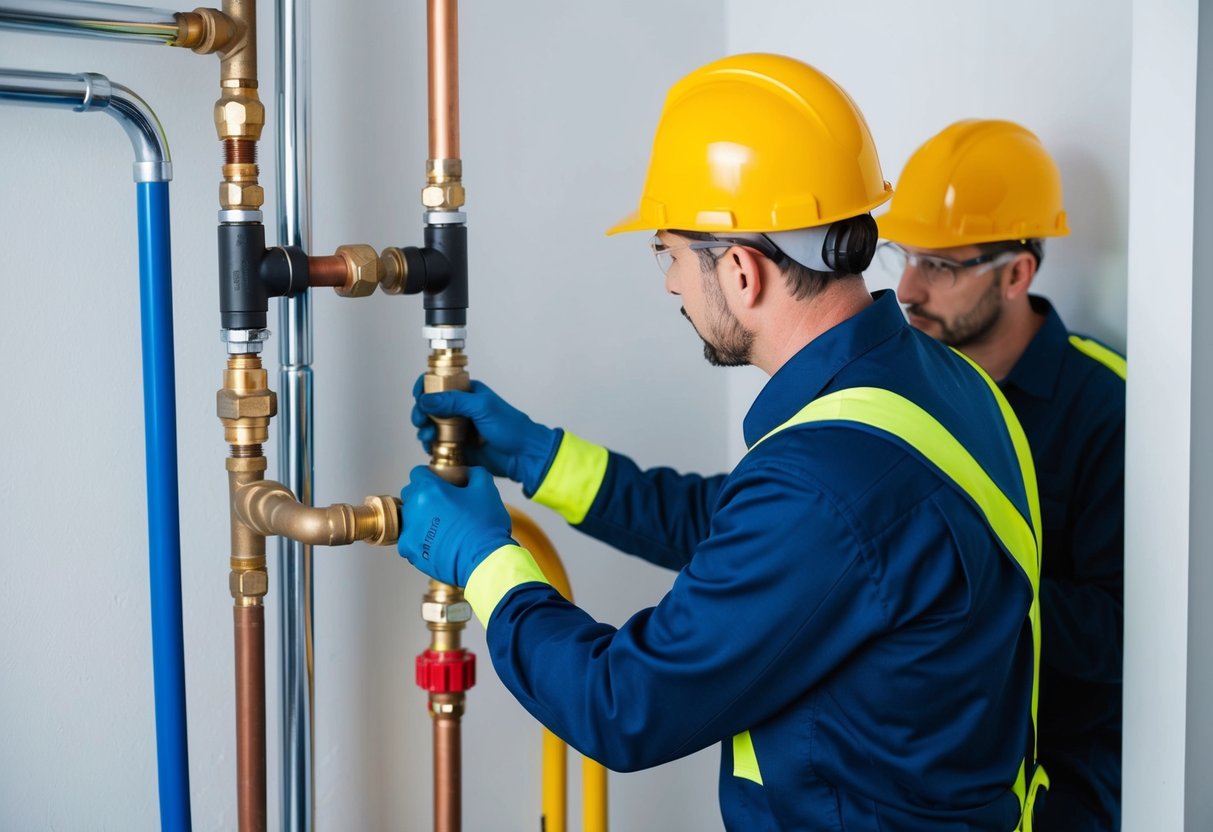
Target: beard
(970,327)
(731,343)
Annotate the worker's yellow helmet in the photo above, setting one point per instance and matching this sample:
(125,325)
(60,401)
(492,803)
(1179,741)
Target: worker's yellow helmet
(978,181)
(758,143)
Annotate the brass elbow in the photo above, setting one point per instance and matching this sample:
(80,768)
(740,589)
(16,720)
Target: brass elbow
(269,508)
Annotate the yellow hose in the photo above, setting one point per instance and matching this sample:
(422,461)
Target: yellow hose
(555,752)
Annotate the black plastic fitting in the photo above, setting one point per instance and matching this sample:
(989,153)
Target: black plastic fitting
(250,274)
(446,252)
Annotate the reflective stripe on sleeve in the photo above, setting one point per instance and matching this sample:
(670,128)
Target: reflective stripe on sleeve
(493,577)
(573,481)
(1109,358)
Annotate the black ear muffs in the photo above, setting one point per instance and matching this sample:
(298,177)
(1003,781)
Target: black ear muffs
(850,244)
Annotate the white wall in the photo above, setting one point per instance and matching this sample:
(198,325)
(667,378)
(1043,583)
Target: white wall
(1060,69)
(559,104)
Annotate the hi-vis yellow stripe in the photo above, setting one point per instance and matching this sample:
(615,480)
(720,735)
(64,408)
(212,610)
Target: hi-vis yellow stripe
(496,575)
(902,418)
(745,761)
(572,482)
(1112,360)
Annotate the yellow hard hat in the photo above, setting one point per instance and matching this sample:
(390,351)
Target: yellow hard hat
(758,143)
(978,181)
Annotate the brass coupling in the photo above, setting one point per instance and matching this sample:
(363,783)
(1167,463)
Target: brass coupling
(393,270)
(443,189)
(245,404)
(446,613)
(446,369)
(269,508)
(248,586)
(361,270)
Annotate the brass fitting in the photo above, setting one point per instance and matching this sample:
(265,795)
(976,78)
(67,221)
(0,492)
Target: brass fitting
(239,113)
(269,508)
(245,404)
(204,30)
(393,270)
(444,629)
(447,370)
(443,190)
(361,271)
(248,583)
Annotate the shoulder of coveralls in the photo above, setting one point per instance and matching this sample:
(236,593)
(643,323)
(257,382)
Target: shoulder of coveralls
(872,480)
(1090,390)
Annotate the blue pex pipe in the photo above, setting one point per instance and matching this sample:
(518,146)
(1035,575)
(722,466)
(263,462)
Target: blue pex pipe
(163,518)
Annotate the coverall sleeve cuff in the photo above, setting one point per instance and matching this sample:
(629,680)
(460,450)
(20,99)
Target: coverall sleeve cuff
(573,481)
(496,575)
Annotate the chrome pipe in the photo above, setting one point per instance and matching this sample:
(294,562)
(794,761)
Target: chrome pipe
(111,21)
(90,92)
(295,437)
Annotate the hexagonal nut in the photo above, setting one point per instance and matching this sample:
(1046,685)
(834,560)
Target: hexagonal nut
(237,195)
(248,584)
(444,195)
(361,271)
(239,116)
(232,405)
(455,613)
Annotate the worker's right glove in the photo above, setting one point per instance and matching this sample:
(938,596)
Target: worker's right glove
(512,446)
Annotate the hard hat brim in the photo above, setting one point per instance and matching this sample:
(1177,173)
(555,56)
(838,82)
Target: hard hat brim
(632,222)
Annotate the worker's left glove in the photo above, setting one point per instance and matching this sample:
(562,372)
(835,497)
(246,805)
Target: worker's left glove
(446,531)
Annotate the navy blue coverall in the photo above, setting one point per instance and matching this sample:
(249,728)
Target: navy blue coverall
(836,597)
(1072,408)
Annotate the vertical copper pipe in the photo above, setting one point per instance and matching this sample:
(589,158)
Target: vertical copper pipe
(250,716)
(442,29)
(448,774)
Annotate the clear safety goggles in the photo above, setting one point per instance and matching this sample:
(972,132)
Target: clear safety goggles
(665,254)
(940,272)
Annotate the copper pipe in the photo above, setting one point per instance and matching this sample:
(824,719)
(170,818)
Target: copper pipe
(250,716)
(442,29)
(326,270)
(269,508)
(448,767)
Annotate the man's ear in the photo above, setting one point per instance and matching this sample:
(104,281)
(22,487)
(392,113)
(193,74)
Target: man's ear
(740,271)
(1020,272)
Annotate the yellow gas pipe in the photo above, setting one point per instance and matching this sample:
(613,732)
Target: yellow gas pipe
(555,752)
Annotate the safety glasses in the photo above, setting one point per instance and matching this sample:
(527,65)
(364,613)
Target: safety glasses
(665,254)
(940,271)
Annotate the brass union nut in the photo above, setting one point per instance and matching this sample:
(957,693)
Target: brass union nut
(449,195)
(239,114)
(248,584)
(233,405)
(238,195)
(387,519)
(361,270)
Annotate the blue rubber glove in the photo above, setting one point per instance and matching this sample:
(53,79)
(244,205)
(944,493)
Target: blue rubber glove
(446,531)
(513,445)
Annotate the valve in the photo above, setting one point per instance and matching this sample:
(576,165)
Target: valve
(448,671)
